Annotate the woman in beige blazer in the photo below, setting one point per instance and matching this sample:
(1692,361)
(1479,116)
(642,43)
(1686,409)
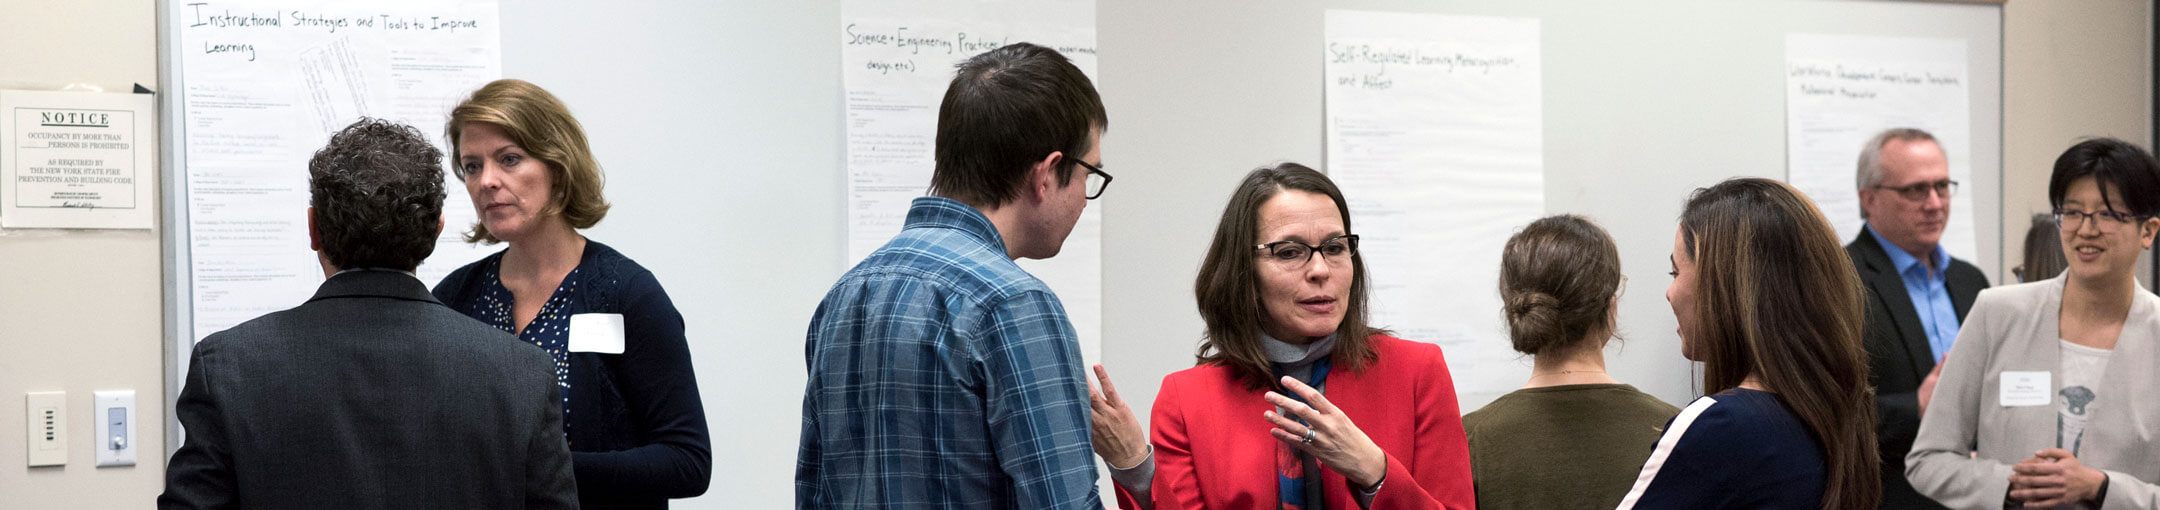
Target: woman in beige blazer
(2047,399)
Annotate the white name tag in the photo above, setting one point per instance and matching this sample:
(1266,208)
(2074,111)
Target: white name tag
(603,333)
(2019,389)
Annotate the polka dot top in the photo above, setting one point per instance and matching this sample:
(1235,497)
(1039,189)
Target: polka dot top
(656,439)
(549,329)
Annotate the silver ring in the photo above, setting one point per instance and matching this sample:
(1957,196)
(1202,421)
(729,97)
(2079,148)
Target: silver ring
(1309,433)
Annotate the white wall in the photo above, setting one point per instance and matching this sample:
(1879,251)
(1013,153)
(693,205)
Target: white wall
(1644,101)
(720,128)
(2074,70)
(718,124)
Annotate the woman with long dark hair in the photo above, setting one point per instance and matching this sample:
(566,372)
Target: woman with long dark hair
(1769,303)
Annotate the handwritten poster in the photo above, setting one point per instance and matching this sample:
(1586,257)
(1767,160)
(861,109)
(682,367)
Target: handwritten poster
(1435,135)
(77,160)
(1842,90)
(897,58)
(263,86)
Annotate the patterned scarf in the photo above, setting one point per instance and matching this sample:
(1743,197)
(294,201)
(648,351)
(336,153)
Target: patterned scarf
(1300,486)
(1297,475)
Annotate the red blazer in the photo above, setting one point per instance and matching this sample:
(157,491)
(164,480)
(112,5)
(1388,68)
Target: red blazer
(1212,448)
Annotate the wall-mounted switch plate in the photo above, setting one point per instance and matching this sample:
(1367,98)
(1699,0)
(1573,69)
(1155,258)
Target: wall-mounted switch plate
(47,427)
(115,430)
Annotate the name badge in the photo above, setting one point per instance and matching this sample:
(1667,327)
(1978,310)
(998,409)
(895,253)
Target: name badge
(2025,389)
(603,333)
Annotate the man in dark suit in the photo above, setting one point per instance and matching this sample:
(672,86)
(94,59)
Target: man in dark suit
(1917,294)
(371,394)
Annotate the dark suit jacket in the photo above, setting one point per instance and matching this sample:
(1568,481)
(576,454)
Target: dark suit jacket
(1899,356)
(370,395)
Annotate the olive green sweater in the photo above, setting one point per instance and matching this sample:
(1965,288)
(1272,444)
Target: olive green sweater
(1556,447)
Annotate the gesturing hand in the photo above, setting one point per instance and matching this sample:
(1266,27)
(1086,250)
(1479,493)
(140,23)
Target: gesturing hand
(1926,393)
(1116,434)
(1331,438)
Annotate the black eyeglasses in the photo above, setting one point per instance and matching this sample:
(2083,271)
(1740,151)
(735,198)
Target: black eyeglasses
(1095,187)
(2071,220)
(1335,250)
(1919,191)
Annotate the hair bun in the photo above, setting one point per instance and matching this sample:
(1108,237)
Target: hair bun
(1534,320)
(1557,277)
(1520,303)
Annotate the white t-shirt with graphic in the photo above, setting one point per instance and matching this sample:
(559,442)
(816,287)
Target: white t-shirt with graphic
(2081,370)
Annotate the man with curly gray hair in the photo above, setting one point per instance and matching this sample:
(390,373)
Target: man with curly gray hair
(371,394)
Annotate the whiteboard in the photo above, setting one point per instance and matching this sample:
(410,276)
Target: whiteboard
(1644,101)
(720,128)
(254,89)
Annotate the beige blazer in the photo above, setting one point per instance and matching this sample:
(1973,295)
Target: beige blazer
(2014,328)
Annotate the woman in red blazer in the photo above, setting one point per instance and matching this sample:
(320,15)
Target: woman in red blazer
(1296,403)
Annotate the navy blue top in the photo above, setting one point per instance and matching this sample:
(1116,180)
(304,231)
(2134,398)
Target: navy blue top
(638,436)
(1737,449)
(549,329)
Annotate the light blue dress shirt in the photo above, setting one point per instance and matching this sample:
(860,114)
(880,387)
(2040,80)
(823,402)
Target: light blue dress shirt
(1929,292)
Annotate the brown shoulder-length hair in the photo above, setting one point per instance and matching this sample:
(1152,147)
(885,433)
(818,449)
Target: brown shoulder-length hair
(539,123)
(1777,298)
(1228,289)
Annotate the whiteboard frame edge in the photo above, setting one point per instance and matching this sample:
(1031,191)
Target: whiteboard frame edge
(172,154)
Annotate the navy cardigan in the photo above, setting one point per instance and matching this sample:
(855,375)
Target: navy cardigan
(638,437)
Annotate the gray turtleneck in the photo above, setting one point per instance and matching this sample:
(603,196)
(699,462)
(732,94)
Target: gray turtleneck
(1297,361)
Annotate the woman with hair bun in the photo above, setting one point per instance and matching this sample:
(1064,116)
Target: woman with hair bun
(1572,437)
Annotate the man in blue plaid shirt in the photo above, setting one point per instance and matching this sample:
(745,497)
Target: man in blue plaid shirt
(941,374)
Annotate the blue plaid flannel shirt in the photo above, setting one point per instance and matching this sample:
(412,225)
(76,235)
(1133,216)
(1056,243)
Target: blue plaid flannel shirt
(944,376)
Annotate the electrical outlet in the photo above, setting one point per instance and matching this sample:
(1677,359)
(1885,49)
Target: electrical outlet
(47,428)
(115,429)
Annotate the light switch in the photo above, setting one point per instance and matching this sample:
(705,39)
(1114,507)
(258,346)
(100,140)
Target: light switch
(47,427)
(115,411)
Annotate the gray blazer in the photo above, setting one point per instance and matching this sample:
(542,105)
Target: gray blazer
(370,395)
(2014,328)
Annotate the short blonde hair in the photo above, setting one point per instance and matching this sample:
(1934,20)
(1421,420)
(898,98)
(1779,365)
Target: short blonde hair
(539,123)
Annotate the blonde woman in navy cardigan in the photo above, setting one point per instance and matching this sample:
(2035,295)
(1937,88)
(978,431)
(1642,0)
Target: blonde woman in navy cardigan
(631,411)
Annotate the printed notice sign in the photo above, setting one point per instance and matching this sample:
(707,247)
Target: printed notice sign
(77,160)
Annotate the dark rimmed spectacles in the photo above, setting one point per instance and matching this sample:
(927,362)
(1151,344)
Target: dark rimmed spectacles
(1919,191)
(2071,220)
(1097,180)
(1335,250)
